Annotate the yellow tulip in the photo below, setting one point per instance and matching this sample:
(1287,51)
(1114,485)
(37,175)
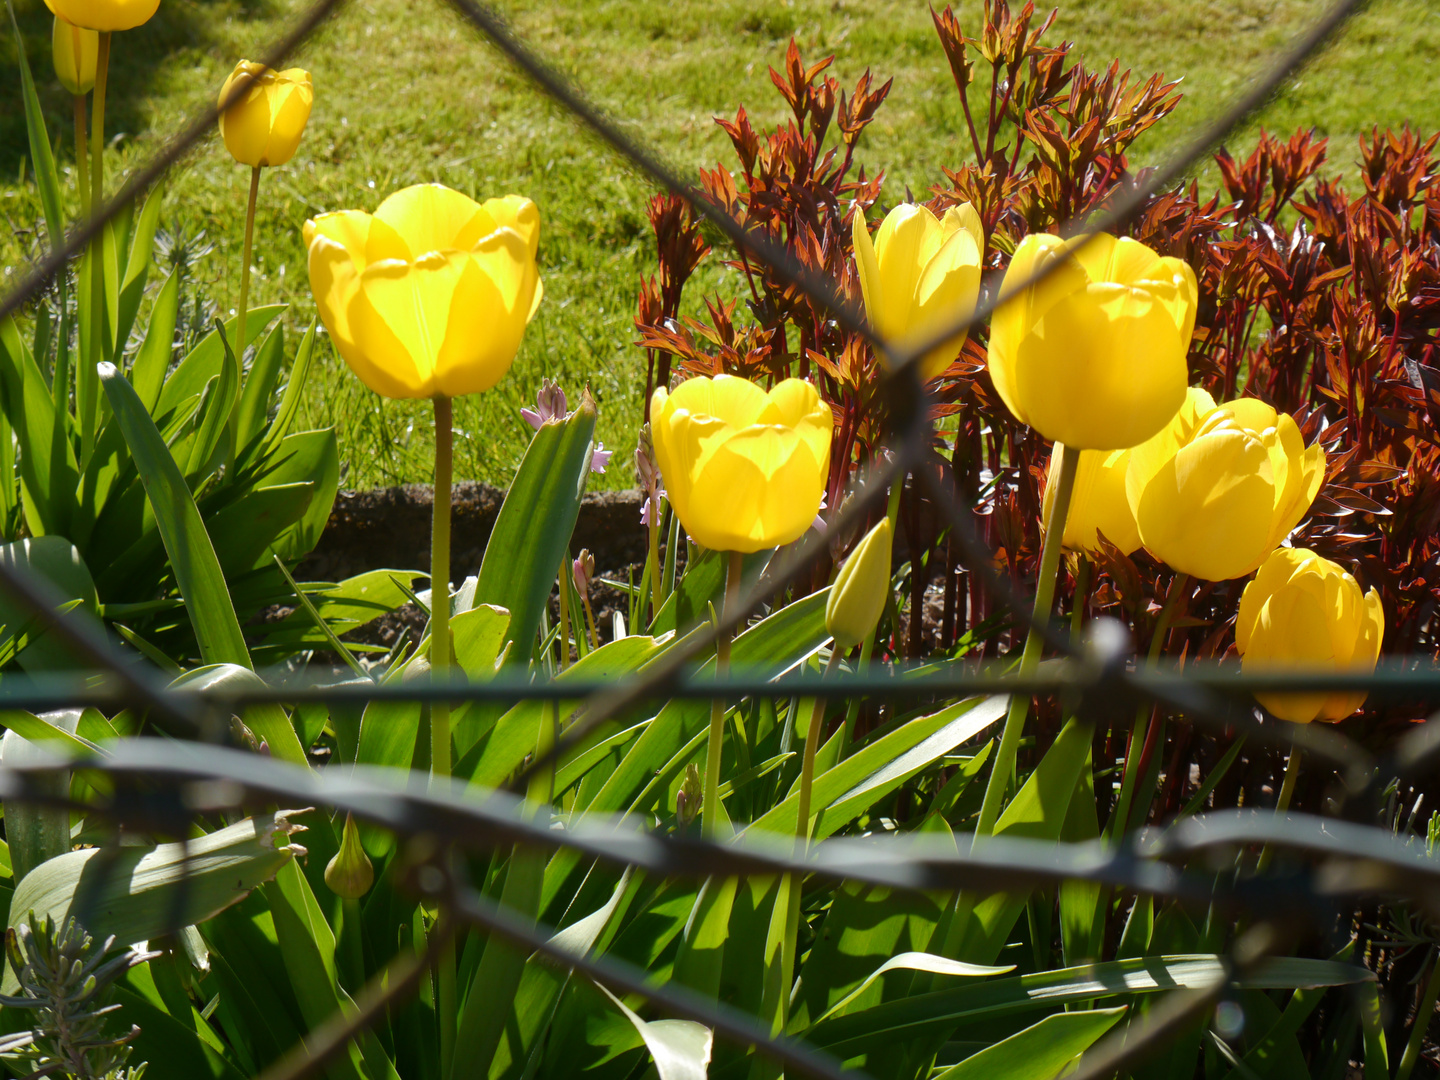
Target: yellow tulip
(1304,611)
(744,470)
(431,294)
(1220,488)
(1094,355)
(74,50)
(919,274)
(264,126)
(1098,503)
(105,15)
(857,599)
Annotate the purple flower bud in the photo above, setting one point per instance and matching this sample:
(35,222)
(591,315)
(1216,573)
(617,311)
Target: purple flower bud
(551,405)
(583,570)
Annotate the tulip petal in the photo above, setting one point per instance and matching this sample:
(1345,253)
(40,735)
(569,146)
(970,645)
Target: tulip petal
(868,269)
(1147,458)
(1097,502)
(1272,576)
(763,487)
(948,288)
(966,217)
(738,402)
(335,281)
(105,15)
(488,313)
(907,239)
(401,312)
(432,217)
(794,403)
(518,213)
(245,126)
(1206,511)
(1103,369)
(1292,631)
(290,111)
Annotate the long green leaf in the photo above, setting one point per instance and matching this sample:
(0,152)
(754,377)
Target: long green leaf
(192,556)
(147,374)
(294,393)
(532,531)
(254,400)
(48,471)
(1041,1051)
(46,178)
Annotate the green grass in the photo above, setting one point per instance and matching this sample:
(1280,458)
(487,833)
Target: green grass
(406,93)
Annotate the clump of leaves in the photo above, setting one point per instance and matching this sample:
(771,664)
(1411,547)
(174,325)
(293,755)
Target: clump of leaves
(66,981)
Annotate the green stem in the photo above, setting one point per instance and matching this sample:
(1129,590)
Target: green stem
(1282,803)
(245,269)
(446,994)
(807,764)
(1422,1021)
(82,159)
(892,507)
(1003,771)
(656,585)
(87,398)
(710,800)
(1120,819)
(852,711)
(564,635)
(1082,596)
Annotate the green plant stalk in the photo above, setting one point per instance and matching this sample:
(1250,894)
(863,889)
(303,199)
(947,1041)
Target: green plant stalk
(1120,819)
(852,711)
(60,378)
(653,562)
(590,622)
(710,800)
(1282,803)
(82,160)
(447,1006)
(1422,1021)
(245,253)
(1003,770)
(87,389)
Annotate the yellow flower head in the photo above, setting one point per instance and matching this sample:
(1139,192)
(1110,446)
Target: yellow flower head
(744,470)
(264,126)
(1094,355)
(431,294)
(107,15)
(919,274)
(74,50)
(1221,487)
(1097,503)
(1304,611)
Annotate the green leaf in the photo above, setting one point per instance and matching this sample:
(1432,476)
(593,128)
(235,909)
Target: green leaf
(245,530)
(268,722)
(350,604)
(294,393)
(147,373)
(205,361)
(44,730)
(213,420)
(863,779)
(309,457)
(192,557)
(1372,1022)
(137,267)
(1041,1051)
(169,1047)
(937,1013)
(54,560)
(46,178)
(680,1048)
(254,403)
(532,531)
(138,893)
(49,474)
(37,832)
(916,961)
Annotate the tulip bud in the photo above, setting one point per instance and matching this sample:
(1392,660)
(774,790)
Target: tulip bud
(919,274)
(264,125)
(690,797)
(1305,612)
(857,599)
(104,15)
(349,874)
(74,50)
(760,478)
(1093,355)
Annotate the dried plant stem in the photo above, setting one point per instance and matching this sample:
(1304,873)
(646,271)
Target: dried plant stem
(1004,768)
(245,265)
(709,807)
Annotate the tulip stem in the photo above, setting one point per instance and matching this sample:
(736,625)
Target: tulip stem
(87,399)
(710,800)
(1004,769)
(565,614)
(654,557)
(807,765)
(245,303)
(1136,760)
(440,671)
(1282,803)
(1422,1021)
(82,158)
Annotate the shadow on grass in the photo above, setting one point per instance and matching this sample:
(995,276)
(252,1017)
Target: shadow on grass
(136,60)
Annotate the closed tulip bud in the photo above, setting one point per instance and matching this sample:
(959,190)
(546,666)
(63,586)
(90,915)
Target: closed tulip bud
(350,874)
(431,294)
(1221,487)
(919,275)
(104,15)
(1098,505)
(1304,611)
(744,470)
(691,797)
(74,50)
(1094,355)
(857,599)
(264,126)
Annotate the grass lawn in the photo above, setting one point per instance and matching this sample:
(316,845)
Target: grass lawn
(407,93)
